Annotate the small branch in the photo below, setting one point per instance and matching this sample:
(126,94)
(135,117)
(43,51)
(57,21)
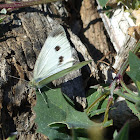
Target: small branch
(16,5)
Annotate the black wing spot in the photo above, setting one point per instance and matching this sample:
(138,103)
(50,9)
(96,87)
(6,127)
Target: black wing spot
(61,59)
(57,48)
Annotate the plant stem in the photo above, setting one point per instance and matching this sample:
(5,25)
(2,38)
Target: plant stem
(107,109)
(97,100)
(122,69)
(125,87)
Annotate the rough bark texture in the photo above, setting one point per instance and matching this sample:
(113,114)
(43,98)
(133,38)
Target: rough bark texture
(22,35)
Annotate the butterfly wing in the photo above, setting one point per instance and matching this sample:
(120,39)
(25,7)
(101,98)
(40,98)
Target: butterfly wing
(62,73)
(55,56)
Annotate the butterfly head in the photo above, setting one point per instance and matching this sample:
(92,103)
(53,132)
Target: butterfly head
(38,84)
(32,83)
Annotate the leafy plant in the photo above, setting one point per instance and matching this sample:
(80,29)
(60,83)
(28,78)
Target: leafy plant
(55,115)
(132,100)
(57,118)
(131,4)
(123,134)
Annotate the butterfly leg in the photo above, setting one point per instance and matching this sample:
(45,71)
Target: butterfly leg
(44,98)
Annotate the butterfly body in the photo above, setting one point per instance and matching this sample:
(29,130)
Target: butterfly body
(55,59)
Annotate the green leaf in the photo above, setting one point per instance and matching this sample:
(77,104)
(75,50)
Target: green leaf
(134,63)
(46,113)
(11,137)
(134,108)
(131,97)
(132,101)
(115,134)
(108,123)
(138,106)
(103,2)
(2,18)
(55,112)
(97,112)
(79,134)
(138,87)
(123,134)
(137,4)
(81,138)
(97,98)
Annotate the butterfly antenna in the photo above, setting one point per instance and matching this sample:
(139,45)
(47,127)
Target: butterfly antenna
(45,100)
(18,78)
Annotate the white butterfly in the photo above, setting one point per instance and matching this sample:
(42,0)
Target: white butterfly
(55,59)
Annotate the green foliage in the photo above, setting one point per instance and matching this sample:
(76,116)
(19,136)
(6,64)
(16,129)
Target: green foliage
(12,136)
(138,86)
(56,113)
(138,107)
(131,4)
(93,97)
(134,63)
(134,74)
(2,18)
(103,2)
(57,118)
(108,123)
(123,134)
(132,106)
(46,113)
(133,100)
(98,101)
